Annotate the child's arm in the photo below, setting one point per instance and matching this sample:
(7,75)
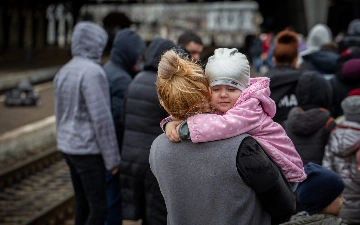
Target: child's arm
(170,127)
(239,119)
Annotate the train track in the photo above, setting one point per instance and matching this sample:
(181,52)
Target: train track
(37,191)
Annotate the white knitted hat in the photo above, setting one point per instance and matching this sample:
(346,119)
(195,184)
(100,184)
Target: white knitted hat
(228,67)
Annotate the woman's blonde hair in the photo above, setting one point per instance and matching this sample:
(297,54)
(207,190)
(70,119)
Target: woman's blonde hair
(182,86)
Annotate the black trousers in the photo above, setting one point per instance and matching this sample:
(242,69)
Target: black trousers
(89,182)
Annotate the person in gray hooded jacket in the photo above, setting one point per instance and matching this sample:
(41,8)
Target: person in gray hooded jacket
(342,155)
(141,194)
(85,130)
(126,50)
(229,181)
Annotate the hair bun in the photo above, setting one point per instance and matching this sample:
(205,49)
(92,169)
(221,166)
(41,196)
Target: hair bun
(169,65)
(287,37)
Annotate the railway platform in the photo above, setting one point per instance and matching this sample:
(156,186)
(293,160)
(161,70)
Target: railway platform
(26,131)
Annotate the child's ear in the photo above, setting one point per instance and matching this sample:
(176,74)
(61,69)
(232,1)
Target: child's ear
(210,90)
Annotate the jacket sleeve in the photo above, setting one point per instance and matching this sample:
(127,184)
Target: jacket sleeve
(265,177)
(95,91)
(238,120)
(118,90)
(164,122)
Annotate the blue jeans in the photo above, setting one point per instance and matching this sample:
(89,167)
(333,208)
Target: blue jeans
(88,179)
(257,63)
(113,193)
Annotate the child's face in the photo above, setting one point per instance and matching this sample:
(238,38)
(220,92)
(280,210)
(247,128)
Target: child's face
(335,207)
(223,97)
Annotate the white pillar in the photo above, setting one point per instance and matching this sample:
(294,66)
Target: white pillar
(59,14)
(51,32)
(316,11)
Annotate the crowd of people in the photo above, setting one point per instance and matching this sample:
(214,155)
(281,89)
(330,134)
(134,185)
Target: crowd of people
(153,135)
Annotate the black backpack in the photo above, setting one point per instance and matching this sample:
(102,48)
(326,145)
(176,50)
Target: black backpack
(22,95)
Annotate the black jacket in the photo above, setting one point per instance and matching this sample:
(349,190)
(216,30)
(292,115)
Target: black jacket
(141,194)
(283,81)
(342,83)
(322,61)
(126,49)
(309,125)
(352,38)
(309,132)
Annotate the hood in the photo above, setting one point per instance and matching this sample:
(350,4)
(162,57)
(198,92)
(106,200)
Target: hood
(127,48)
(354,27)
(306,122)
(324,61)
(303,218)
(155,50)
(282,76)
(345,135)
(259,89)
(89,41)
(313,91)
(318,36)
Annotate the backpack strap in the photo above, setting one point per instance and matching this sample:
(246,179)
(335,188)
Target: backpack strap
(330,124)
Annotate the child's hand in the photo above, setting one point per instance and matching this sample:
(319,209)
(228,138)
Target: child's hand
(171,130)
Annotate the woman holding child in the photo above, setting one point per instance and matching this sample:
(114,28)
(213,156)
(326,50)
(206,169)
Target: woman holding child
(230,181)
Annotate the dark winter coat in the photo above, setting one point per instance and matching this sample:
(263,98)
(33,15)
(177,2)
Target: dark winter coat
(309,124)
(283,81)
(343,83)
(141,194)
(322,61)
(352,38)
(127,48)
(309,132)
(256,47)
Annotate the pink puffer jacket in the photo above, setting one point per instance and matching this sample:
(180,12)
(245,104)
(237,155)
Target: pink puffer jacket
(252,114)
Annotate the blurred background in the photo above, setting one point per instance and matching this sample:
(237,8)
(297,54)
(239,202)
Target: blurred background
(35,40)
(39,31)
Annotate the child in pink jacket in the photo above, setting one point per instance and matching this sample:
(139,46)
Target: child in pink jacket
(250,112)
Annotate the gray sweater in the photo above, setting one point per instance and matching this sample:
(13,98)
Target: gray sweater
(201,184)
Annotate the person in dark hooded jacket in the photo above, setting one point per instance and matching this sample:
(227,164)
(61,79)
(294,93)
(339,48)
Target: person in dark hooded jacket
(309,124)
(323,61)
(352,38)
(126,50)
(141,194)
(284,76)
(347,78)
